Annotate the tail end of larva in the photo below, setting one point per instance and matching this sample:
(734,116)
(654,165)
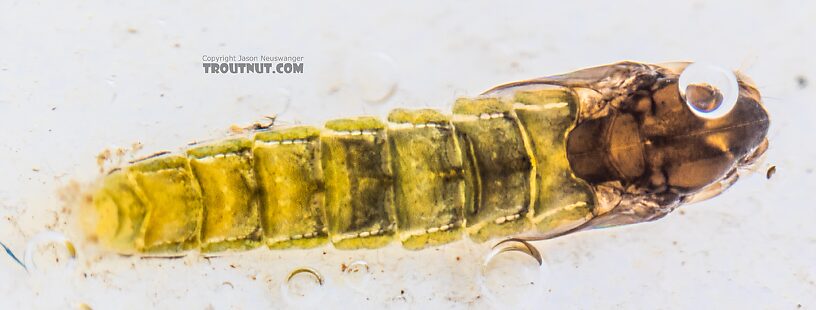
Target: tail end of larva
(101,217)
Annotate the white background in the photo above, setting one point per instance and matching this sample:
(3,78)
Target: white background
(81,77)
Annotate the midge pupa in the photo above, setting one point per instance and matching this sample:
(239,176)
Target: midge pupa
(605,146)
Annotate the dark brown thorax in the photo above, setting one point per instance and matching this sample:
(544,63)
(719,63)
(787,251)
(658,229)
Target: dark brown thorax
(654,141)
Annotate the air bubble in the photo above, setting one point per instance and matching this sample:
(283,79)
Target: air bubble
(374,77)
(225,296)
(51,247)
(709,91)
(358,275)
(303,287)
(513,275)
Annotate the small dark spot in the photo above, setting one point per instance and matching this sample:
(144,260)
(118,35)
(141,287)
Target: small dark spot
(176,45)
(161,95)
(343,267)
(232,266)
(802,81)
(53,108)
(682,212)
(771,171)
(402,292)
(458,258)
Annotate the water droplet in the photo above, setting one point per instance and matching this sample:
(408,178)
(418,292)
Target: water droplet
(710,91)
(49,249)
(515,244)
(358,275)
(374,77)
(303,287)
(513,275)
(224,296)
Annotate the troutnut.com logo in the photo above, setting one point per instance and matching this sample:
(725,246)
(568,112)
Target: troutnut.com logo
(262,64)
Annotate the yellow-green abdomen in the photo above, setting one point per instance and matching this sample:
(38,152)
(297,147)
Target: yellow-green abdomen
(495,168)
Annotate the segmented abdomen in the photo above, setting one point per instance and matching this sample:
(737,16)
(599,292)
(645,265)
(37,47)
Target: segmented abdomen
(497,167)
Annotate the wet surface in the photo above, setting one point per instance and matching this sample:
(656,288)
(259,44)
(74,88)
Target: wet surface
(88,83)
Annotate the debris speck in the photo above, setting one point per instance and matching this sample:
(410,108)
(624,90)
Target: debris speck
(136,146)
(802,81)
(771,171)
(101,158)
(236,129)
(132,30)
(11,254)
(84,306)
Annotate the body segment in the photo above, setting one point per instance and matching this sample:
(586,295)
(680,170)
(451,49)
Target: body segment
(497,148)
(292,196)
(429,178)
(359,184)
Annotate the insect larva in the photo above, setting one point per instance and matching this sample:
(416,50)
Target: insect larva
(604,146)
